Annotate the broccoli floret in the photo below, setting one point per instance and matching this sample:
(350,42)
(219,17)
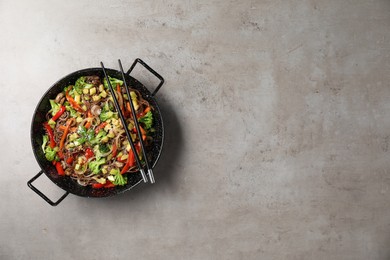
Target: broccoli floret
(98,138)
(119,179)
(147,120)
(107,112)
(103,148)
(72,112)
(94,166)
(100,149)
(113,82)
(80,84)
(51,123)
(54,107)
(106,115)
(51,154)
(45,139)
(86,135)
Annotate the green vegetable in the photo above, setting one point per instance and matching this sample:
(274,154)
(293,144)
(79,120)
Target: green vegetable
(101,134)
(94,166)
(106,115)
(113,82)
(72,112)
(108,106)
(119,179)
(97,139)
(84,132)
(81,84)
(103,148)
(51,154)
(45,139)
(106,112)
(98,152)
(147,120)
(71,92)
(85,135)
(80,141)
(51,123)
(90,134)
(54,107)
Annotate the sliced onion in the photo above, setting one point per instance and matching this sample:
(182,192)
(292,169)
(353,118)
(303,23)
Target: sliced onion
(96,110)
(91,158)
(120,99)
(82,171)
(117,138)
(96,121)
(119,164)
(82,183)
(85,120)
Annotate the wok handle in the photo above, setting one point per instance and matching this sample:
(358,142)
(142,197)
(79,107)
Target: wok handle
(138,60)
(29,184)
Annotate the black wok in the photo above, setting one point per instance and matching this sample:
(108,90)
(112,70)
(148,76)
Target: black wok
(65,182)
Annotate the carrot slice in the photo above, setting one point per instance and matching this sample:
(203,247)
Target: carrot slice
(67,126)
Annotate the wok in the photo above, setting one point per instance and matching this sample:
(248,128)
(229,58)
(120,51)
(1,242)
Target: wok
(65,182)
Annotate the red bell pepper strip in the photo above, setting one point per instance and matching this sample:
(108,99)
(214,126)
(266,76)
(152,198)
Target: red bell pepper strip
(100,127)
(67,126)
(97,185)
(109,185)
(50,134)
(72,102)
(89,153)
(69,160)
(126,167)
(59,113)
(60,154)
(59,168)
(114,150)
(130,161)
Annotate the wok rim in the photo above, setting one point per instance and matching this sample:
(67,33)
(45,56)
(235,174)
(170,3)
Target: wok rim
(33,136)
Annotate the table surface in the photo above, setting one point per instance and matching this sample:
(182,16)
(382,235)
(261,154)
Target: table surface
(277,117)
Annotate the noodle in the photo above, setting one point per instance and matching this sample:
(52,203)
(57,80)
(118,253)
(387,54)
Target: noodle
(95,150)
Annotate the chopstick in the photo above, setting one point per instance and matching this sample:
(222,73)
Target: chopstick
(124,124)
(150,171)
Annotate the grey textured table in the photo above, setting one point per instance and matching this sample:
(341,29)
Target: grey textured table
(278,127)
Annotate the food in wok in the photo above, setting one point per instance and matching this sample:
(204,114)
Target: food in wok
(85,139)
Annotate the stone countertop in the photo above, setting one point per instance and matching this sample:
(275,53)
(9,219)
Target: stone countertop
(277,120)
